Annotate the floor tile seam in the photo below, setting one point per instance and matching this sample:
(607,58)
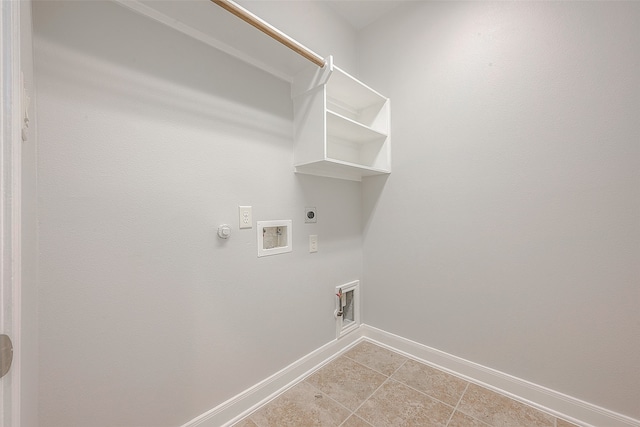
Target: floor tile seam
(422,393)
(464,378)
(370,396)
(369,367)
(409,356)
(462,411)
(398,368)
(484,424)
(513,399)
(354,415)
(396,371)
(457,404)
(439,368)
(430,365)
(457,409)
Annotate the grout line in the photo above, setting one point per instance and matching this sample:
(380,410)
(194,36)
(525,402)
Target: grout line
(423,393)
(374,392)
(375,370)
(407,359)
(365,366)
(457,404)
(356,416)
(471,380)
(401,365)
(421,361)
(387,379)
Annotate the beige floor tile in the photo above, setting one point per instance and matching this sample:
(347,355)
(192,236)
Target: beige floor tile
(245,423)
(413,396)
(501,411)
(354,421)
(434,382)
(563,423)
(376,357)
(346,381)
(301,406)
(461,420)
(395,404)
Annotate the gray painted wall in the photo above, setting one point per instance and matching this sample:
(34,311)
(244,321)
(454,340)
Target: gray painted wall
(148,140)
(508,233)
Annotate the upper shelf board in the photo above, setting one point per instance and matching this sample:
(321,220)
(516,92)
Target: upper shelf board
(351,91)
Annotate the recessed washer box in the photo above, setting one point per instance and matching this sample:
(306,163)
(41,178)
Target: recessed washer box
(348,310)
(274,237)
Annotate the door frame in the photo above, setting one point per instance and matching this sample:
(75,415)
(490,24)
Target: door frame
(11,122)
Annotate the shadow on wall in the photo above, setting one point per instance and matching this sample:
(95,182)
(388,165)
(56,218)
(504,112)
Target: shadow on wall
(372,187)
(216,87)
(335,221)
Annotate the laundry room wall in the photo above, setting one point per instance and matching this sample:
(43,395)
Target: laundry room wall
(148,141)
(507,233)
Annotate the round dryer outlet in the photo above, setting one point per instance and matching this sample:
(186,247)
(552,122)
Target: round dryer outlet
(310,215)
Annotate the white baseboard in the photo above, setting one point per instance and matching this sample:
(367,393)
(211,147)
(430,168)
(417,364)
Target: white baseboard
(238,407)
(581,413)
(560,405)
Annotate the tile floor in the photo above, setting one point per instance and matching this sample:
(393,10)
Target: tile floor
(370,386)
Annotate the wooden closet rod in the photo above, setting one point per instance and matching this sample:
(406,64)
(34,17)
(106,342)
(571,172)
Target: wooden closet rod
(272,32)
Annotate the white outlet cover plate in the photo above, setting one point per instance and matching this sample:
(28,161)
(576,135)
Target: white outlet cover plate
(245,219)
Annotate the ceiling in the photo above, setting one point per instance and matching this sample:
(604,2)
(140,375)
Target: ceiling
(360,13)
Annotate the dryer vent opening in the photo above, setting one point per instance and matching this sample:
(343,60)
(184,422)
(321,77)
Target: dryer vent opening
(347,311)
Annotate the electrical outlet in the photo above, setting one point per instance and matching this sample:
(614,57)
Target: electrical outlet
(245,220)
(313,243)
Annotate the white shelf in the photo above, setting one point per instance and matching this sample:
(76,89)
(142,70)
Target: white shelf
(333,168)
(348,129)
(349,90)
(341,126)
